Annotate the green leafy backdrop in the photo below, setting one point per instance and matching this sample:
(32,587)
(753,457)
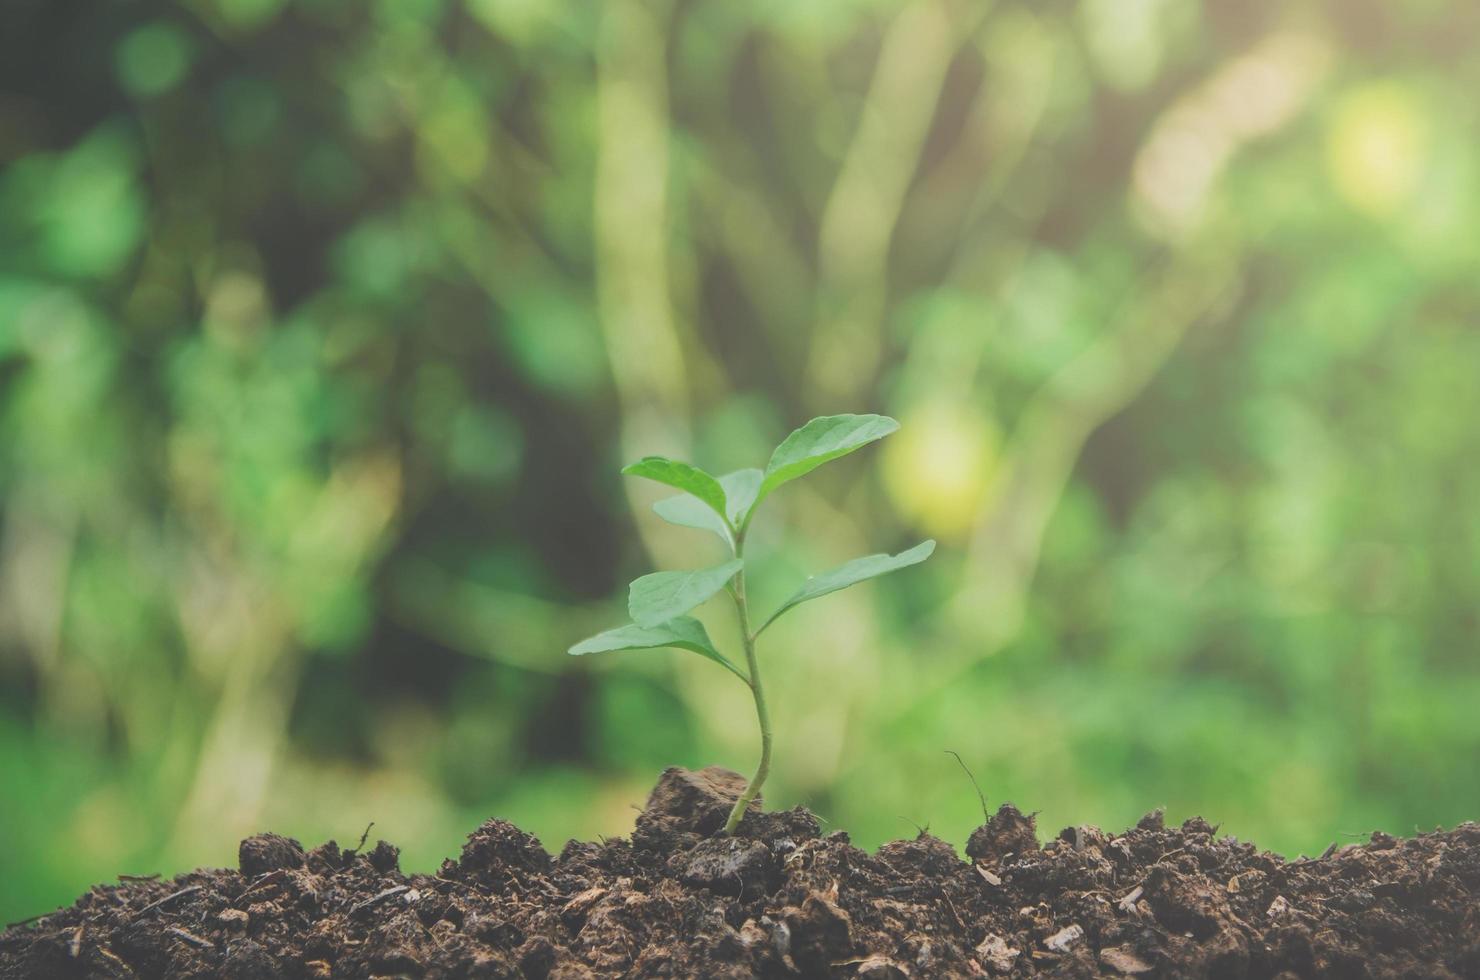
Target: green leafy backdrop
(325,326)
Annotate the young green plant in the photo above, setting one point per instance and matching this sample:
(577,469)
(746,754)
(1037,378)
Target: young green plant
(659,603)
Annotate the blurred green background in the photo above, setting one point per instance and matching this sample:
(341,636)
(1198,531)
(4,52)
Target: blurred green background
(325,326)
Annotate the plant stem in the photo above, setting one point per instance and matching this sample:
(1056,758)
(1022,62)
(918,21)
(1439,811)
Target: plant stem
(763,768)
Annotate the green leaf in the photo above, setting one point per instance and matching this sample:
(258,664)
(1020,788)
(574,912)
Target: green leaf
(658,597)
(851,573)
(683,632)
(682,476)
(687,510)
(741,489)
(817,442)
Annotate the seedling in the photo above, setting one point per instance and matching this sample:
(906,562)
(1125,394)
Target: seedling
(659,603)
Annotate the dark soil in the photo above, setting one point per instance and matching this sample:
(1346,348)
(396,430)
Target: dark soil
(781,899)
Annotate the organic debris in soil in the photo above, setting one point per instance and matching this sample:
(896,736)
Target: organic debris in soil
(780,899)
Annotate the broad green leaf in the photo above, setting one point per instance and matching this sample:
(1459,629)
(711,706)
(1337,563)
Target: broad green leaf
(741,488)
(851,573)
(681,476)
(817,442)
(683,632)
(687,510)
(658,597)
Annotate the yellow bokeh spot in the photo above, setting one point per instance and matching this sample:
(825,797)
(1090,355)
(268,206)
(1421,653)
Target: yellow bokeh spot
(1378,146)
(938,467)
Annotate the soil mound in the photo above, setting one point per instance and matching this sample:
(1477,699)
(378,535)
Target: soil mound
(780,899)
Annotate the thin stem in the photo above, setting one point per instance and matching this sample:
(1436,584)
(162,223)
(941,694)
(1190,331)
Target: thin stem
(763,768)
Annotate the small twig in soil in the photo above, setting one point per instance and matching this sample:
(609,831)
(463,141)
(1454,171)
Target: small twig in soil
(382,896)
(923,830)
(107,953)
(952,907)
(268,878)
(981,797)
(364,837)
(169,898)
(75,946)
(192,938)
(34,918)
(471,890)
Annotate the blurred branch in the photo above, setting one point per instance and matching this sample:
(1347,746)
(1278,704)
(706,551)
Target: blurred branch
(34,559)
(630,206)
(36,556)
(1083,395)
(863,209)
(631,219)
(247,730)
(987,610)
(488,622)
(759,246)
(1025,107)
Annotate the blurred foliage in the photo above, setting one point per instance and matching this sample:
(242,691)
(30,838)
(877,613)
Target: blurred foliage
(325,324)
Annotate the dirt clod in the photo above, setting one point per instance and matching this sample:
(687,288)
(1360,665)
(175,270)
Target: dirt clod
(385,857)
(881,968)
(234,921)
(777,900)
(821,934)
(1007,833)
(689,802)
(996,955)
(1123,961)
(1064,938)
(268,852)
(729,866)
(499,852)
